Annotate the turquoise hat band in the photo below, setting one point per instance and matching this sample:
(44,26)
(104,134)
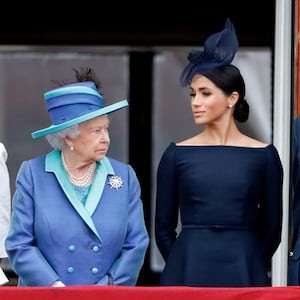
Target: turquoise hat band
(74,103)
(71,90)
(83,118)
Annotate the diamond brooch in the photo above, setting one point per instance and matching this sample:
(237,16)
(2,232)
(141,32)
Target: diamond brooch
(115,182)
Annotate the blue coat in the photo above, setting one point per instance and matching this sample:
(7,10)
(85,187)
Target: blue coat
(54,237)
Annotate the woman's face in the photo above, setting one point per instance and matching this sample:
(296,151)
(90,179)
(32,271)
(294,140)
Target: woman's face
(209,103)
(93,140)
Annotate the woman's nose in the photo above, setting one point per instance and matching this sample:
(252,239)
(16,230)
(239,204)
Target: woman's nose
(197,100)
(104,136)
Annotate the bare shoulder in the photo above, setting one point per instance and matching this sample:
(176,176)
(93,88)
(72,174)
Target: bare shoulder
(190,141)
(240,140)
(253,143)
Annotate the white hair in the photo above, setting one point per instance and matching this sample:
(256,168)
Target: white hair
(56,140)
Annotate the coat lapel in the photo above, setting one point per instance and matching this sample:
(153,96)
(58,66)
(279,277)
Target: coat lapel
(104,168)
(53,164)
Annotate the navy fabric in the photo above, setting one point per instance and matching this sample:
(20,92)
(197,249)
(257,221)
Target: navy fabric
(231,214)
(219,50)
(294,258)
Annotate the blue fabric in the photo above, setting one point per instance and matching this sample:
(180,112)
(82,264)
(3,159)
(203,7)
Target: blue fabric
(82,192)
(219,50)
(72,101)
(54,237)
(231,214)
(73,104)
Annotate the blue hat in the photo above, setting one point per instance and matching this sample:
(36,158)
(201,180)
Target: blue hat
(73,104)
(219,50)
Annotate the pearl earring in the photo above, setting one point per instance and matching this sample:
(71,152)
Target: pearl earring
(229,105)
(71,148)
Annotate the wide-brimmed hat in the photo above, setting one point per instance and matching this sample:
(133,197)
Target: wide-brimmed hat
(73,104)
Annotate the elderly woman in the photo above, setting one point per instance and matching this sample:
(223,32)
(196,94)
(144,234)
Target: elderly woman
(77,216)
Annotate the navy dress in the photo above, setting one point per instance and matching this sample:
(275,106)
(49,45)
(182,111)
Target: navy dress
(230,201)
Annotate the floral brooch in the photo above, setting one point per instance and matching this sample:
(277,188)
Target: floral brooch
(115,182)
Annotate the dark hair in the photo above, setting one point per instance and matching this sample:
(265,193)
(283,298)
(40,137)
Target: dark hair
(229,79)
(82,75)
(88,74)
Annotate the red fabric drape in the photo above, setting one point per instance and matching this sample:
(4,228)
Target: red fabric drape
(148,293)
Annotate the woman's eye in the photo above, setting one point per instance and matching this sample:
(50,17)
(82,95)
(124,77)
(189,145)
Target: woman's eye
(96,131)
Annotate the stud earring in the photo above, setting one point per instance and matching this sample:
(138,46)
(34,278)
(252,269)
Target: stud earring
(229,105)
(71,148)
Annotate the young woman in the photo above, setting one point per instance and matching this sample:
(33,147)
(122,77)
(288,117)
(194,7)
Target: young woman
(225,185)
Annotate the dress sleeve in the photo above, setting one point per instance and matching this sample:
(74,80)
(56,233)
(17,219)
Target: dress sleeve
(270,210)
(166,215)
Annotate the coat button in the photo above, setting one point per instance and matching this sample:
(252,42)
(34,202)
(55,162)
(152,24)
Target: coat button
(95,270)
(70,269)
(95,248)
(71,248)
(291,253)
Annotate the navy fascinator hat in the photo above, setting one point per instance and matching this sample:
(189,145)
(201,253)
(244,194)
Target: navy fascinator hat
(219,50)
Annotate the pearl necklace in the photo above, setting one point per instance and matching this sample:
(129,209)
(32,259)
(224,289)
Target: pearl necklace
(83,180)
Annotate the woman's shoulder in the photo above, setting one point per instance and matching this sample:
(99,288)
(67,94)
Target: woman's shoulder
(240,141)
(117,165)
(253,143)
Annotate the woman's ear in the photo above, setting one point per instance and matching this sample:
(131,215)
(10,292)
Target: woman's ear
(233,99)
(68,141)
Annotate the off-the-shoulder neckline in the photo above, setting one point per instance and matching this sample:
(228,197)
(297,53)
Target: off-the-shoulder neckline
(224,146)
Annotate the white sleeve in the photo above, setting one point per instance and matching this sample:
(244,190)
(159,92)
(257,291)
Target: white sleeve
(57,283)
(5,200)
